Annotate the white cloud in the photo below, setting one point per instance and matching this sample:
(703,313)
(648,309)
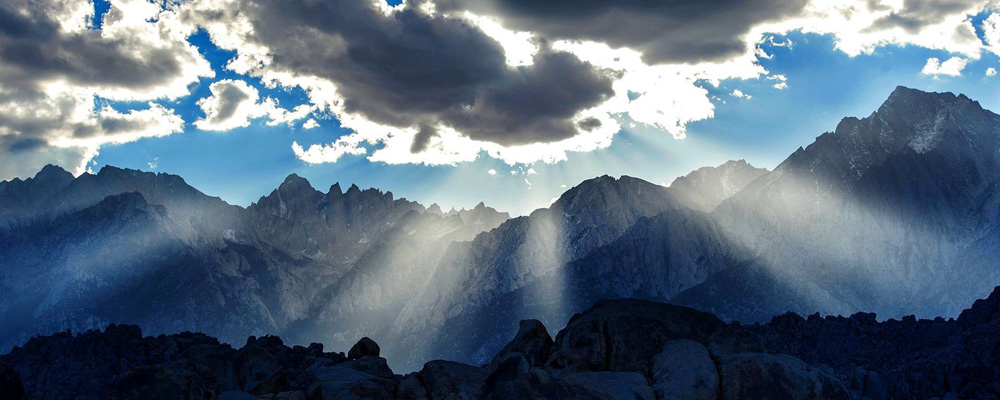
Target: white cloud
(492,171)
(231,105)
(154,163)
(518,46)
(739,94)
(951,67)
(49,108)
(861,27)
(991,32)
(782,81)
(310,124)
(991,71)
(234,103)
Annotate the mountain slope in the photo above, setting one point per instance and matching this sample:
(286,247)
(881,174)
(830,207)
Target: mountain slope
(165,256)
(875,214)
(706,187)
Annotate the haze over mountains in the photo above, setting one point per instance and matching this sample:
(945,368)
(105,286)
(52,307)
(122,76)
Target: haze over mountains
(896,213)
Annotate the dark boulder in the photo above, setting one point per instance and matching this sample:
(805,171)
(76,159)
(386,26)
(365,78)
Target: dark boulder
(684,370)
(775,377)
(10,383)
(532,341)
(617,385)
(377,366)
(410,388)
(336,382)
(180,380)
(452,380)
(513,378)
(735,340)
(364,347)
(260,371)
(622,335)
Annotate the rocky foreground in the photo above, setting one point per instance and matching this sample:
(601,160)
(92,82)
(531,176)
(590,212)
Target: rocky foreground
(618,349)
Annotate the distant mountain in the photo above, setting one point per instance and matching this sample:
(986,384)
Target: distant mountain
(897,213)
(706,187)
(129,246)
(879,215)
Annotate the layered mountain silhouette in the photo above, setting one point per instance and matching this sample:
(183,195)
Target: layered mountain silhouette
(897,213)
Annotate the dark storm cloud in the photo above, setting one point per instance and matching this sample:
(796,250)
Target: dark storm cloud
(688,31)
(409,68)
(423,138)
(917,14)
(33,49)
(535,104)
(15,145)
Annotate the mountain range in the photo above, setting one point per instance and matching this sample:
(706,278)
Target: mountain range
(896,213)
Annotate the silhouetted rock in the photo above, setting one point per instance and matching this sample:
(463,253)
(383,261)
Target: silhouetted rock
(513,378)
(765,376)
(532,341)
(10,383)
(410,388)
(622,335)
(616,385)
(336,382)
(364,347)
(684,370)
(735,340)
(617,349)
(452,380)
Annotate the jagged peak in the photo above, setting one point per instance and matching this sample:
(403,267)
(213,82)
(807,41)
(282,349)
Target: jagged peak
(295,183)
(50,170)
(435,208)
(914,101)
(109,169)
(335,189)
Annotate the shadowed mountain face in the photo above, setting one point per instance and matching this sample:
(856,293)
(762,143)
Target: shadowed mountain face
(897,213)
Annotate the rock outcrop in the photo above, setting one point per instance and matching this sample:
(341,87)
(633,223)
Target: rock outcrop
(617,349)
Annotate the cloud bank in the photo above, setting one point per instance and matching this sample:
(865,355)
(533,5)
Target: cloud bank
(54,64)
(441,82)
(431,82)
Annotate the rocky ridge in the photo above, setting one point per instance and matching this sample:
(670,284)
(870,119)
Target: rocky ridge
(617,349)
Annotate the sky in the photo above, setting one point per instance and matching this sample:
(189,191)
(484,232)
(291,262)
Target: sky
(509,102)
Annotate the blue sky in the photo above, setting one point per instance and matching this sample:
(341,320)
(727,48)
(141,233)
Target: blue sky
(824,84)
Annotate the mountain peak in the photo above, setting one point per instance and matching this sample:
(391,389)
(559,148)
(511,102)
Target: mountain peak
(912,104)
(50,170)
(54,177)
(706,187)
(294,182)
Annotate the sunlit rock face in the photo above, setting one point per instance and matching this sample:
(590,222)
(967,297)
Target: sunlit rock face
(706,187)
(880,214)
